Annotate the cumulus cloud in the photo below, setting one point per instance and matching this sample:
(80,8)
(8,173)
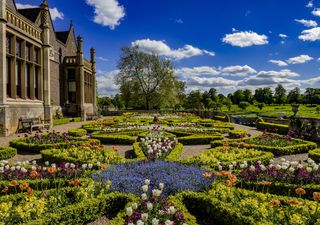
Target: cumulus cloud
(245,39)
(162,49)
(238,70)
(106,84)
(310,35)
(278,62)
(277,74)
(299,59)
(310,4)
(101,58)
(307,23)
(107,12)
(283,36)
(316,12)
(55,13)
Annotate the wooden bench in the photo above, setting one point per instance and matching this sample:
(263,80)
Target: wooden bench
(26,124)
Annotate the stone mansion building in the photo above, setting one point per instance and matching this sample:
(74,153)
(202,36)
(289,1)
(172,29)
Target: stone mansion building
(41,70)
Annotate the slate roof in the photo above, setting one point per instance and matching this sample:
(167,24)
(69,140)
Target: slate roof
(31,14)
(63,36)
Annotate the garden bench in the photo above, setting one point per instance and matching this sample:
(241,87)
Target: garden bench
(31,123)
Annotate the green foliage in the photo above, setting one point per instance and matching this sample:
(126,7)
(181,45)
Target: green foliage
(7,152)
(199,139)
(77,132)
(315,154)
(244,105)
(120,139)
(273,127)
(61,121)
(237,134)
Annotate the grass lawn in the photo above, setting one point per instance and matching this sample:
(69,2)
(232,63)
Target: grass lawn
(275,110)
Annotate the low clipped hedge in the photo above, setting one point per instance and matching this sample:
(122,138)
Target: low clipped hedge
(7,152)
(61,121)
(87,211)
(120,139)
(315,154)
(174,155)
(199,139)
(77,132)
(237,134)
(22,146)
(273,127)
(278,188)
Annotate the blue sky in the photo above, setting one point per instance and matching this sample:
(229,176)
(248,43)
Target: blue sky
(227,44)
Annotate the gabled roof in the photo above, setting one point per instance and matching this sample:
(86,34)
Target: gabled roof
(63,36)
(31,13)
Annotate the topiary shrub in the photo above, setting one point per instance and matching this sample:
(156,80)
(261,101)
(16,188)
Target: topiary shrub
(77,132)
(7,152)
(237,134)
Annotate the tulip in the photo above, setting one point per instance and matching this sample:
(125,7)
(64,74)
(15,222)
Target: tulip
(129,211)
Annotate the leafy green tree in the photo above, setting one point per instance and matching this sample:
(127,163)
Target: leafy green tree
(228,103)
(194,101)
(264,95)
(294,96)
(149,73)
(244,105)
(238,97)
(280,95)
(247,96)
(312,96)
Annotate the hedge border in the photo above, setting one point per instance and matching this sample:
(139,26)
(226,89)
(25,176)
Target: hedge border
(7,152)
(77,132)
(314,154)
(199,139)
(276,128)
(120,139)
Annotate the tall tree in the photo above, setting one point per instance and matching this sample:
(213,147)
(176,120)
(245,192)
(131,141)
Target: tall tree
(264,95)
(238,97)
(294,96)
(280,94)
(148,72)
(247,96)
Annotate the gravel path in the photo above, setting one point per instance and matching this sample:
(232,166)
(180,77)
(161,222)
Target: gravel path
(101,221)
(193,150)
(251,130)
(123,150)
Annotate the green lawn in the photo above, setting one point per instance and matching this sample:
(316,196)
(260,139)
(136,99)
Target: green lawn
(275,110)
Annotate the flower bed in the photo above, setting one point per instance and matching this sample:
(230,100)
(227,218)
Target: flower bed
(226,205)
(77,132)
(315,154)
(234,134)
(228,157)
(157,148)
(128,177)
(7,152)
(86,153)
(40,142)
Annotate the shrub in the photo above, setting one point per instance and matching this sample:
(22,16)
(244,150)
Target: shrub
(128,177)
(120,139)
(315,154)
(7,152)
(237,134)
(199,139)
(77,132)
(217,143)
(273,127)
(61,121)
(244,105)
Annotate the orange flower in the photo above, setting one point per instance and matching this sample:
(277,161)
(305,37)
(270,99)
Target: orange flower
(14,183)
(294,202)
(265,183)
(52,170)
(24,186)
(232,178)
(316,196)
(5,189)
(225,173)
(75,182)
(300,191)
(34,174)
(30,192)
(229,183)
(103,166)
(219,174)
(207,175)
(275,203)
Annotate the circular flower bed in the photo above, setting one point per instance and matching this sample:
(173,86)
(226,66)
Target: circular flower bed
(128,177)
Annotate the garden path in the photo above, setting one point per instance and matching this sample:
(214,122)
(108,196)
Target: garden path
(193,150)
(250,130)
(123,150)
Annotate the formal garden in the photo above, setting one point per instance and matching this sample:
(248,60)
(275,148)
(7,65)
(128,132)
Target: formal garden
(181,169)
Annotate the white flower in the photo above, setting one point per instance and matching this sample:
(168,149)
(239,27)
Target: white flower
(130,223)
(33,168)
(1,169)
(144,196)
(149,206)
(67,165)
(134,206)
(168,222)
(220,167)
(84,166)
(129,211)
(315,167)
(300,166)
(47,163)
(34,162)
(23,170)
(271,161)
(90,166)
(44,168)
(263,168)
(241,166)
(291,169)
(161,186)
(145,188)
(283,159)
(12,168)
(98,164)
(7,167)
(155,221)
(156,192)
(53,165)
(139,222)
(18,163)
(259,162)
(309,169)
(72,166)
(234,163)
(252,168)
(284,167)
(144,216)
(172,210)
(230,167)
(18,167)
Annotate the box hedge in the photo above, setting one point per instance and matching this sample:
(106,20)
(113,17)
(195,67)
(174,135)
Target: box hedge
(77,132)
(315,154)
(273,127)
(234,134)
(199,139)
(7,152)
(120,139)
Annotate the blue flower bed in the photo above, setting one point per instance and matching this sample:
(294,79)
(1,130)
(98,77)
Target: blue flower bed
(129,177)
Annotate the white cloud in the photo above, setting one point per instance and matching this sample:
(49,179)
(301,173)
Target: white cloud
(238,70)
(107,12)
(55,13)
(278,62)
(102,58)
(245,39)
(299,59)
(307,23)
(310,35)
(283,36)
(213,71)
(106,84)
(277,74)
(310,4)
(162,49)
(316,12)
(180,21)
